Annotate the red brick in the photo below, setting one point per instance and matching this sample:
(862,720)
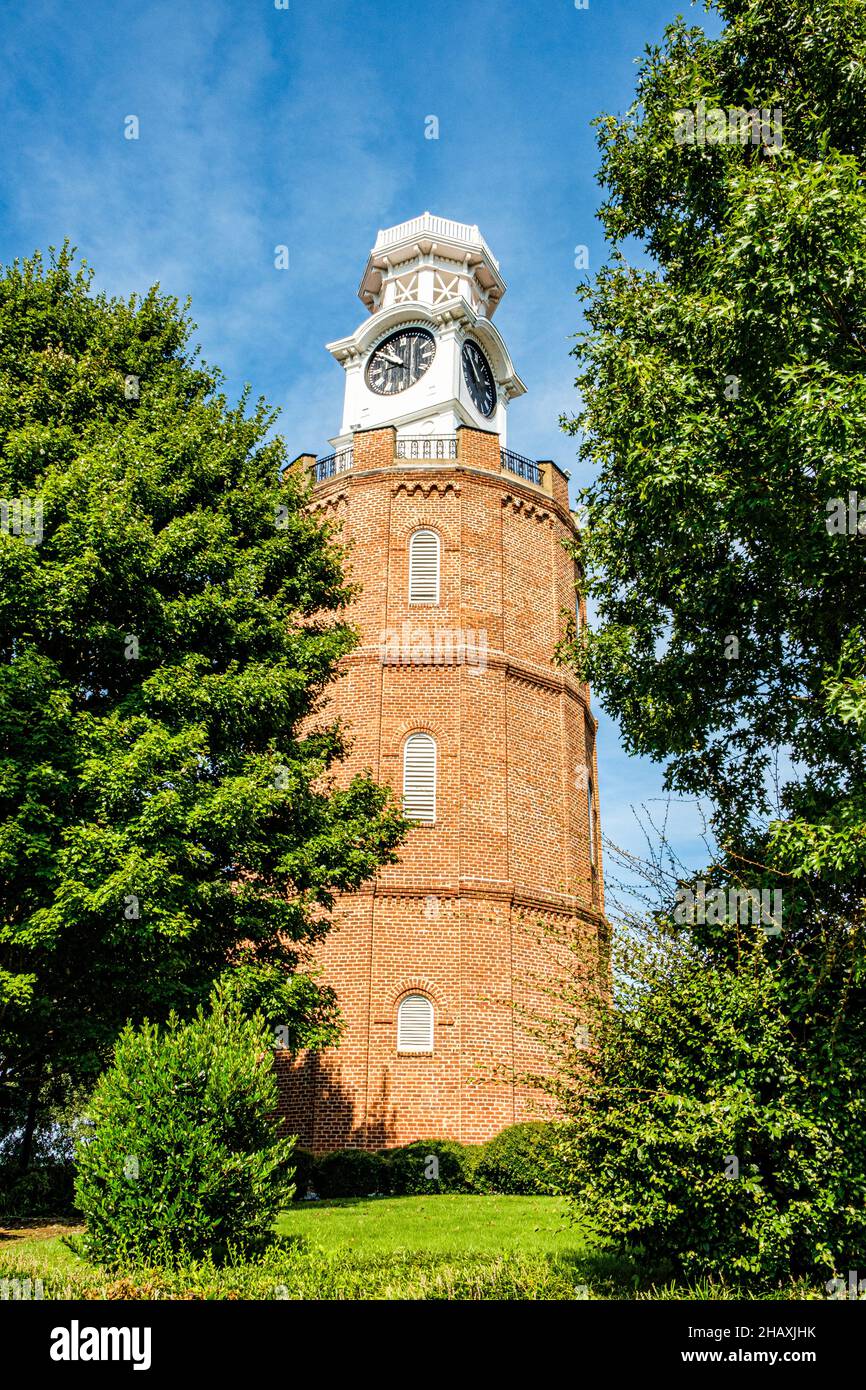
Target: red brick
(510,847)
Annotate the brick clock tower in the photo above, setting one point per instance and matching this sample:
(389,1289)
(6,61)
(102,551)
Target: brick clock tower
(452,696)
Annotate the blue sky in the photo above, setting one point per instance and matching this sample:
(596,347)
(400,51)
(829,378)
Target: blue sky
(305,127)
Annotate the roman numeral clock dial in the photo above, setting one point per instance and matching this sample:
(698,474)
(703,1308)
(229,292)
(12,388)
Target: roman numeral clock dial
(400,361)
(479,378)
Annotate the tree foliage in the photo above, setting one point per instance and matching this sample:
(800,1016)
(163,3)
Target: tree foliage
(724,415)
(706,1132)
(724,407)
(169,806)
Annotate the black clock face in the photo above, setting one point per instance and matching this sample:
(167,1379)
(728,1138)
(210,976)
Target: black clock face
(400,361)
(479,378)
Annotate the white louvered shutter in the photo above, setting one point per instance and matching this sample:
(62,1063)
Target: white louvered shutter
(424,567)
(419,777)
(415,1024)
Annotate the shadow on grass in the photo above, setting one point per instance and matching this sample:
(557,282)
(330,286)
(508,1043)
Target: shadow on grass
(611,1273)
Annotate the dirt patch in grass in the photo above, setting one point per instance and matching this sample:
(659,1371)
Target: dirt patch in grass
(37,1228)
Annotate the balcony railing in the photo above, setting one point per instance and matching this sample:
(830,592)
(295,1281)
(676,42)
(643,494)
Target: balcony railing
(523,467)
(418,446)
(332,464)
(440,446)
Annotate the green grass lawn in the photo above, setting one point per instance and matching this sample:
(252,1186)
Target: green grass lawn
(437,1247)
(442,1225)
(445,1247)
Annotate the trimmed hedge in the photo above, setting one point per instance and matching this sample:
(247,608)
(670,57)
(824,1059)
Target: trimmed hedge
(428,1165)
(349,1173)
(304,1164)
(521,1160)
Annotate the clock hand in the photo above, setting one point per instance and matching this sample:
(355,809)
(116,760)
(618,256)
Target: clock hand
(474,369)
(388,357)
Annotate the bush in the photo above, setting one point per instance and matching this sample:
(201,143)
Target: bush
(184,1159)
(521,1160)
(349,1173)
(304,1164)
(46,1190)
(428,1165)
(706,1131)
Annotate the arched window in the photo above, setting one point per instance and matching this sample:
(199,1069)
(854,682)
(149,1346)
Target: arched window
(415,1024)
(419,777)
(424,567)
(590,806)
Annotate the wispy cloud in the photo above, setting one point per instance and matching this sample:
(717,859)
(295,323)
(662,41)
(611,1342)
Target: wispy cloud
(305,127)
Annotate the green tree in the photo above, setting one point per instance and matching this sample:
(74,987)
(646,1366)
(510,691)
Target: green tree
(183,1159)
(724,408)
(169,619)
(723,411)
(706,1133)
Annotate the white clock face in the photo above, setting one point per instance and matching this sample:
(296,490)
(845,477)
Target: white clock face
(479,378)
(400,361)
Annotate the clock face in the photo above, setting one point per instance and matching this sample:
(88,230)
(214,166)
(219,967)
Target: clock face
(479,378)
(400,361)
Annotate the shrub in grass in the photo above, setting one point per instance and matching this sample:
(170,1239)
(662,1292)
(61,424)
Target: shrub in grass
(349,1173)
(428,1165)
(184,1159)
(304,1164)
(522,1159)
(709,1130)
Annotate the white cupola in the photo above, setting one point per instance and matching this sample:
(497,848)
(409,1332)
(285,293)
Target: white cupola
(427,358)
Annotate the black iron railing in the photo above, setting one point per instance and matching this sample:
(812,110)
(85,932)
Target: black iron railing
(423,446)
(441,446)
(331,464)
(523,467)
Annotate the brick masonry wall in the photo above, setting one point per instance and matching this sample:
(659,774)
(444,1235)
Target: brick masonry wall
(457,919)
